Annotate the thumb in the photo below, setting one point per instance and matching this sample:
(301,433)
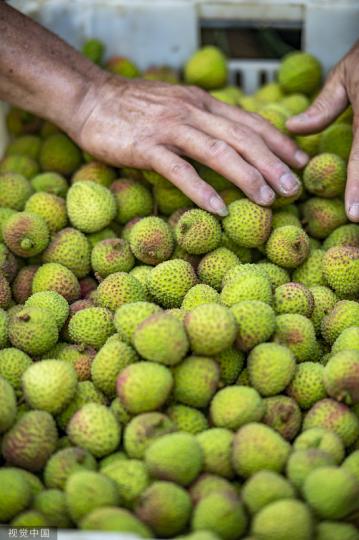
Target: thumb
(331,101)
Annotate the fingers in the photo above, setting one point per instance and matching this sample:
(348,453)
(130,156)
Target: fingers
(184,176)
(331,101)
(252,148)
(352,189)
(280,144)
(220,156)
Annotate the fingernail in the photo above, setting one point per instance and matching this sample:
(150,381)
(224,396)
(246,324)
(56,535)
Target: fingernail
(354,211)
(301,158)
(300,117)
(266,195)
(288,183)
(218,206)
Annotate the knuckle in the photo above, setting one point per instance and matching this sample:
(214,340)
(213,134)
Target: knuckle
(180,168)
(218,149)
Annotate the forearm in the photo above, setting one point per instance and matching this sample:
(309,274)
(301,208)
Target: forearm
(41,73)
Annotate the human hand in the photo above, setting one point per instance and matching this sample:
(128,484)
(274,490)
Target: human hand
(341,88)
(151,125)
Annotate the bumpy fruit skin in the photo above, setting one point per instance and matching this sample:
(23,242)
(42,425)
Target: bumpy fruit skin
(113,519)
(151,240)
(58,278)
(293,298)
(169,199)
(341,269)
(187,418)
(265,487)
(207,68)
(344,314)
(13,363)
(169,282)
(332,492)
(288,246)
(31,441)
(283,415)
(144,386)
(131,478)
(7,405)
(165,507)
(161,458)
(64,463)
(70,248)
(49,385)
(132,198)
(325,175)
(33,330)
(271,368)
(5,292)
(346,235)
(302,462)
(161,338)
(297,333)
(22,284)
(15,494)
(323,216)
(282,520)
(26,234)
(324,301)
(94,427)
(118,289)
(129,316)
(248,224)
(110,256)
(341,376)
(95,171)
(143,429)
(87,490)
(247,286)
(214,266)
(300,72)
(234,406)
(255,322)
(15,190)
(310,272)
(307,386)
(222,514)
(50,207)
(90,206)
(211,329)
(50,182)
(328,413)
(195,381)
(110,360)
(231,362)
(91,326)
(258,447)
(198,295)
(348,339)
(53,302)
(198,232)
(59,154)
(323,439)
